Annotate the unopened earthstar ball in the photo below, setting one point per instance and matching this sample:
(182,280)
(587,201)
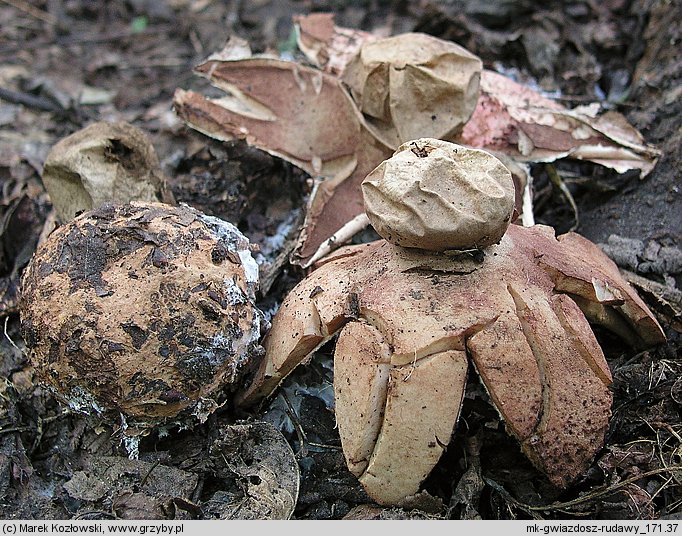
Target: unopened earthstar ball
(142,309)
(438,196)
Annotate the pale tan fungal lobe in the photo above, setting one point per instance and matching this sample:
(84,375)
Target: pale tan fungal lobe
(414,85)
(143,309)
(103,163)
(436,195)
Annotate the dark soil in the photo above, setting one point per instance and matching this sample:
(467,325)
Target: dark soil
(67,63)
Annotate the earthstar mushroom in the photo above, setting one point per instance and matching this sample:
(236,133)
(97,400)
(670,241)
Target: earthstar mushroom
(144,310)
(412,324)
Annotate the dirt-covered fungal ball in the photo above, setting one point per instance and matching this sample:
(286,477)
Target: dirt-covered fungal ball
(142,309)
(438,196)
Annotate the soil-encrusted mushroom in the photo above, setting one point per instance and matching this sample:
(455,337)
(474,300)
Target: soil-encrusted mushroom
(437,195)
(142,309)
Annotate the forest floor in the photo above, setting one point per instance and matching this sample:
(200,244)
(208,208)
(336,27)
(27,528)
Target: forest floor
(67,63)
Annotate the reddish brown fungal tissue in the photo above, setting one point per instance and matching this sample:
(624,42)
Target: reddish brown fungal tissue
(412,324)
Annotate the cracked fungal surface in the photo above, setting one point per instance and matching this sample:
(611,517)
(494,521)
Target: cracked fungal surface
(143,309)
(412,324)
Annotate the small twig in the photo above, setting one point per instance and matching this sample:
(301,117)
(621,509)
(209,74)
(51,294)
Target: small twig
(413,366)
(531,510)
(28,100)
(84,515)
(323,446)
(302,438)
(144,480)
(14,429)
(605,491)
(674,506)
(511,500)
(581,99)
(27,8)
(557,181)
(340,237)
(196,42)
(527,217)
(49,226)
(196,494)
(40,430)
(665,426)
(661,488)
(84,40)
(166,64)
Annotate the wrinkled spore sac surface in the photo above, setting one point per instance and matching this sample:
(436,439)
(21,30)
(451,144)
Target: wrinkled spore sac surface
(146,309)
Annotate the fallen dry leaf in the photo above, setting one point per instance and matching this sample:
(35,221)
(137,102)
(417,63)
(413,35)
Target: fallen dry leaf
(257,460)
(134,489)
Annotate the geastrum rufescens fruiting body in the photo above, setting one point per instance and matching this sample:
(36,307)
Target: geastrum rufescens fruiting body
(512,303)
(142,310)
